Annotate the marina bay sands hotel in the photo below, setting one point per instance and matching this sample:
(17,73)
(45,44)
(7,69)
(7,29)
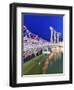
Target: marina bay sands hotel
(55,36)
(33,45)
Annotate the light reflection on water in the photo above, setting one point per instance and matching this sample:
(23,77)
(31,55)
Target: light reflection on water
(56,64)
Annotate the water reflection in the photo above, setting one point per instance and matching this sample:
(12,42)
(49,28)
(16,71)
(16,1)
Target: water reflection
(54,62)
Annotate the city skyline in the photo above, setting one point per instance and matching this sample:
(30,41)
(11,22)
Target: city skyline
(39,24)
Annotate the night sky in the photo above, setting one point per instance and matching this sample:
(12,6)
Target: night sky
(39,24)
